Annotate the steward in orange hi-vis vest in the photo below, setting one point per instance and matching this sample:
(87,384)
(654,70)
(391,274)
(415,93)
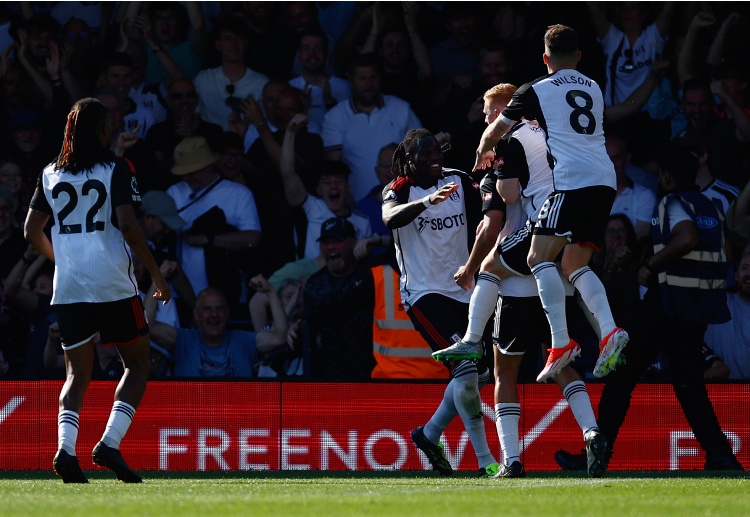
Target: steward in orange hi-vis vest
(399,350)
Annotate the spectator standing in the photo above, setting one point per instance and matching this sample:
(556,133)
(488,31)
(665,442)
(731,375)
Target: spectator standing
(221,221)
(331,197)
(355,130)
(322,89)
(222,88)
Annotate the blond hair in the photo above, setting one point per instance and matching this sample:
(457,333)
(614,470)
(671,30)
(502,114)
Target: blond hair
(500,93)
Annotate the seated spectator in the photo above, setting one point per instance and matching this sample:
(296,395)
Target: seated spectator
(183,121)
(212,351)
(322,90)
(730,341)
(221,221)
(332,193)
(338,310)
(354,131)
(617,265)
(281,362)
(222,88)
(632,199)
(11,178)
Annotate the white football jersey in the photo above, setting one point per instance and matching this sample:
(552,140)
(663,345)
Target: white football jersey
(431,248)
(93,262)
(570,109)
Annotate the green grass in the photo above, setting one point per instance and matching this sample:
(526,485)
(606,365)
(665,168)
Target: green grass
(332,494)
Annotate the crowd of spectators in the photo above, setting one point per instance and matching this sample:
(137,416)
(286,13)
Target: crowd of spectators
(252,123)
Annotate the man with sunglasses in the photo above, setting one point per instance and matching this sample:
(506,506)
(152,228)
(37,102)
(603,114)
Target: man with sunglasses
(183,121)
(222,88)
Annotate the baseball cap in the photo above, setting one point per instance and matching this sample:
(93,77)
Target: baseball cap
(338,228)
(161,205)
(192,154)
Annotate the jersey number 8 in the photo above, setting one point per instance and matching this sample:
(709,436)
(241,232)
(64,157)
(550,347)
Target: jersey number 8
(581,111)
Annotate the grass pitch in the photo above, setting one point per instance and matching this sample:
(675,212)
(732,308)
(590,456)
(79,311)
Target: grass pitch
(332,494)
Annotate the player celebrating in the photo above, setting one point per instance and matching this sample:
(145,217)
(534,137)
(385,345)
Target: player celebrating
(90,195)
(433,213)
(569,107)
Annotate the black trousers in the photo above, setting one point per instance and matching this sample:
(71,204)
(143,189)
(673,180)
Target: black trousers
(681,342)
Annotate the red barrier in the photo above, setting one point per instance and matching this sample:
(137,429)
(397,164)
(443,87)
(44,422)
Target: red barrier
(317,426)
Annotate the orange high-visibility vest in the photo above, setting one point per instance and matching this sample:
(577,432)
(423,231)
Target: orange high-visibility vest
(400,351)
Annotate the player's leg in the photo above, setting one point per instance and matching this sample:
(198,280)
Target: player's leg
(574,390)
(508,413)
(76,337)
(128,331)
(544,250)
(508,259)
(440,320)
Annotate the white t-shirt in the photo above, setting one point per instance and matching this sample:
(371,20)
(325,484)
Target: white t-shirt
(317,212)
(240,210)
(731,340)
(317,110)
(640,57)
(635,201)
(212,84)
(360,136)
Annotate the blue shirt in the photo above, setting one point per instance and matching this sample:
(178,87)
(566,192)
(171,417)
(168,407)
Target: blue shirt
(235,356)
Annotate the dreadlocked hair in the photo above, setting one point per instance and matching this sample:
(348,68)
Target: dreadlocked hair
(82,148)
(400,163)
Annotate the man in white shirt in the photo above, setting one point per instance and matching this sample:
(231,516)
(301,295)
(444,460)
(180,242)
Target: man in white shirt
(356,129)
(222,88)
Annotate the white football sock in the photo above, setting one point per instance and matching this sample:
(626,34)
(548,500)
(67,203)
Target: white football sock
(507,417)
(67,431)
(552,294)
(119,421)
(594,296)
(481,306)
(580,403)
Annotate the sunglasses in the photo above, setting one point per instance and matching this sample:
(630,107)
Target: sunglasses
(180,95)
(629,65)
